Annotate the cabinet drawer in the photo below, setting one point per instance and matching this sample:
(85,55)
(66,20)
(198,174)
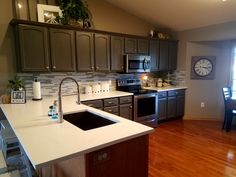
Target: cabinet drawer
(112,110)
(110,102)
(162,94)
(180,92)
(94,103)
(172,93)
(125,99)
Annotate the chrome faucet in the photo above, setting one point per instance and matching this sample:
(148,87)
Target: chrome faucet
(60,112)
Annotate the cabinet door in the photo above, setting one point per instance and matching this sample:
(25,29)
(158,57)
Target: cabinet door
(143,46)
(85,51)
(33,44)
(162,108)
(163,55)
(171,107)
(173,47)
(126,111)
(62,50)
(180,105)
(117,52)
(102,52)
(154,53)
(130,45)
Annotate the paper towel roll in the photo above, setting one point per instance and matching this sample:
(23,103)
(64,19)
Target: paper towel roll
(36,90)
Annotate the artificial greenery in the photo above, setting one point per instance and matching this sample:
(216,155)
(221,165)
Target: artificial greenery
(16,84)
(75,10)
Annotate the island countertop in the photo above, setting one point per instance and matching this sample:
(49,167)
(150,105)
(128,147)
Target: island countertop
(45,141)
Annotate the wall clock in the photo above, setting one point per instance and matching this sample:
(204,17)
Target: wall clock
(203,67)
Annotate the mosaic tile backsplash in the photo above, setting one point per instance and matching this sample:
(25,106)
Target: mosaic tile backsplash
(50,81)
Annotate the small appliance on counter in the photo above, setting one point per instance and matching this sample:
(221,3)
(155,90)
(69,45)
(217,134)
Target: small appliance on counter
(36,90)
(145,108)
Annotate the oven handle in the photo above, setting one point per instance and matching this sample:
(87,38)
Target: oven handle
(146,95)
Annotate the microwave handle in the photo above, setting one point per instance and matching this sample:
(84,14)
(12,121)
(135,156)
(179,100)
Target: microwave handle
(146,64)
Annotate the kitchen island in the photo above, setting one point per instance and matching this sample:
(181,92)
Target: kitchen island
(55,149)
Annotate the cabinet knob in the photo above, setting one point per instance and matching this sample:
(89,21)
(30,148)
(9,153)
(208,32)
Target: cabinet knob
(130,107)
(47,67)
(122,67)
(97,67)
(54,67)
(92,67)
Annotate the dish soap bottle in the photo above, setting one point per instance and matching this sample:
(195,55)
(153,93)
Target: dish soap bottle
(55,110)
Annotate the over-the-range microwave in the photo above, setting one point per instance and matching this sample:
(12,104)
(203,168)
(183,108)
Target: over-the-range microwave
(135,63)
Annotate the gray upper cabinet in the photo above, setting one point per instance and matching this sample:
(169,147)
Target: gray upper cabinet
(143,46)
(117,52)
(173,48)
(33,48)
(85,51)
(136,46)
(130,45)
(102,52)
(154,53)
(163,55)
(62,44)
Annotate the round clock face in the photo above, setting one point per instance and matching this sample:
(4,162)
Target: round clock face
(203,67)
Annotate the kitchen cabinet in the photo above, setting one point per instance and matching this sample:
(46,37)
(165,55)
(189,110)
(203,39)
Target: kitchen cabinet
(84,51)
(167,55)
(102,52)
(62,45)
(126,107)
(162,105)
(154,54)
(129,159)
(122,106)
(33,55)
(171,104)
(136,46)
(117,53)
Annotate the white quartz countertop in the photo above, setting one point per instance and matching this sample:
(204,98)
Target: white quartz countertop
(45,141)
(168,88)
(113,94)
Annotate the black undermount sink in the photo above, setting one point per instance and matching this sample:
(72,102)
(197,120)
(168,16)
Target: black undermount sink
(87,120)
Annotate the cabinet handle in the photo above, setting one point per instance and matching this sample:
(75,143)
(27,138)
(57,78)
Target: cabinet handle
(97,67)
(110,102)
(54,67)
(90,105)
(92,67)
(122,67)
(109,110)
(130,107)
(47,67)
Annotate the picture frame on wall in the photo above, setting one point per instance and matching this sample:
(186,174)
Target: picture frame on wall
(48,13)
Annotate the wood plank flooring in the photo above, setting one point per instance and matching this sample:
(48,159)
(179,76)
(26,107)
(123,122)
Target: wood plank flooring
(192,149)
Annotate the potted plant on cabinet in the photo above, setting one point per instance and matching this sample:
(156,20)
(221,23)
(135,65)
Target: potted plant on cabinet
(75,12)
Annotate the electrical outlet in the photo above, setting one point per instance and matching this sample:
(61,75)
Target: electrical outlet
(202,104)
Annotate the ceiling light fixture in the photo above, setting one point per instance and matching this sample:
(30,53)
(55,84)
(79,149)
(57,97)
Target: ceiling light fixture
(224,0)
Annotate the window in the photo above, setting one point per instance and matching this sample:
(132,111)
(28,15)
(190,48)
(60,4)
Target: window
(234,71)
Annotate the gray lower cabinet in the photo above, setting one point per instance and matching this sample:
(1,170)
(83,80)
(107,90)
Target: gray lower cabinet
(85,51)
(117,52)
(102,52)
(121,106)
(62,44)
(171,104)
(33,49)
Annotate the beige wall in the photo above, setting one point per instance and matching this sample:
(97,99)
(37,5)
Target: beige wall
(212,40)
(110,18)
(105,17)
(7,54)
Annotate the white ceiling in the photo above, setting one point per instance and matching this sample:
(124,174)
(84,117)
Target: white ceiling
(180,15)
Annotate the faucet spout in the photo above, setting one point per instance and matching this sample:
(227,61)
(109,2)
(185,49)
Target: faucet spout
(60,112)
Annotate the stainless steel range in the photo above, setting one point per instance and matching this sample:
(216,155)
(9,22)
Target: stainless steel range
(145,101)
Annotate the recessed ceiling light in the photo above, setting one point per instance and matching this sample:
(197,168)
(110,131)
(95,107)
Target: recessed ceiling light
(224,0)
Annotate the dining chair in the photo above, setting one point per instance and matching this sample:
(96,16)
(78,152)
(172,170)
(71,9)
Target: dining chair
(227,94)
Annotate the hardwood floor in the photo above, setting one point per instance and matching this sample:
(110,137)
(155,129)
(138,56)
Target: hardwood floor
(192,149)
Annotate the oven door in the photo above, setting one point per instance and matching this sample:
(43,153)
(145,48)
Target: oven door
(146,109)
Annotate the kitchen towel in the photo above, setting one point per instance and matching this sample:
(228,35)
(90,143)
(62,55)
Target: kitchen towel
(36,90)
